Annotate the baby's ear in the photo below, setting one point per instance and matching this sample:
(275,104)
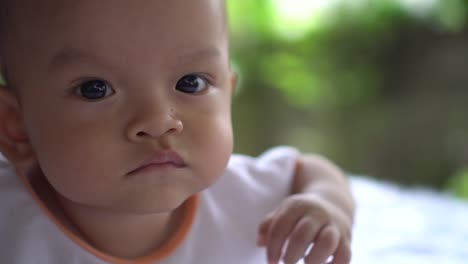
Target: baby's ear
(14,143)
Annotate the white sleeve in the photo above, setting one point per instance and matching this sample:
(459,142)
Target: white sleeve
(232,209)
(257,183)
(269,174)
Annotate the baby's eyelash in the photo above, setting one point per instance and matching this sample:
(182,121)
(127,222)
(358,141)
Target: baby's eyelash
(207,77)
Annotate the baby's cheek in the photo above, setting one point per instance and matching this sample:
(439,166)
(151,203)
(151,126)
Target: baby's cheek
(66,177)
(218,149)
(74,170)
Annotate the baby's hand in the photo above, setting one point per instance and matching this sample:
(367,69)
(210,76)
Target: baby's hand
(303,220)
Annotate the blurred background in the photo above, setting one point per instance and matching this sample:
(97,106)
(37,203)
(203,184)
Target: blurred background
(378,86)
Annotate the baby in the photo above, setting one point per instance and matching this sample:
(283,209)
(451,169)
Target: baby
(115,121)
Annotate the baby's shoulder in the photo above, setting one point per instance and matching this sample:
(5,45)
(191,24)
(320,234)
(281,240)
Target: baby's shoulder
(23,227)
(253,177)
(275,162)
(11,188)
(15,200)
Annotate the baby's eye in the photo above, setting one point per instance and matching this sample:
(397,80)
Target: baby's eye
(94,90)
(191,84)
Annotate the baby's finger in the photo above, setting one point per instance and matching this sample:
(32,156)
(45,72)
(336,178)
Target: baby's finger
(300,239)
(343,253)
(325,245)
(280,229)
(264,229)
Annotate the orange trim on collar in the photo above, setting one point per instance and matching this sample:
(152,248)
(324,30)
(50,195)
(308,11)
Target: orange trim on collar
(191,206)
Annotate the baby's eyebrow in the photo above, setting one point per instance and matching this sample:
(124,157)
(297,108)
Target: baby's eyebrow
(68,55)
(208,52)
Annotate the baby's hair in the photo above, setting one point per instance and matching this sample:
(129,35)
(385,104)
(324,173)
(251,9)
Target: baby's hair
(5,23)
(3,15)
(3,11)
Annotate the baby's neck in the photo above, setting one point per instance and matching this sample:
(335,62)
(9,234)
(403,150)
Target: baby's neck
(119,235)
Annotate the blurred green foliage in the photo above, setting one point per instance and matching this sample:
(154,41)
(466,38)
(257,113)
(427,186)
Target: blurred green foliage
(459,183)
(307,66)
(321,79)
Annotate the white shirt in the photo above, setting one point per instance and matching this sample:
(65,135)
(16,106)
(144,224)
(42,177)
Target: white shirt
(224,229)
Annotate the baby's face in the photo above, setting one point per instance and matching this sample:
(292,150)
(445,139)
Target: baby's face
(105,86)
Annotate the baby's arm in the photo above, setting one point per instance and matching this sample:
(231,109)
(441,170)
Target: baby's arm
(319,211)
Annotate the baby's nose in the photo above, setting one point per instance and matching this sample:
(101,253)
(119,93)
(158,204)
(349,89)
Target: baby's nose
(154,122)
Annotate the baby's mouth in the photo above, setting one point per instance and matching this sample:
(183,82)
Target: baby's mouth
(161,160)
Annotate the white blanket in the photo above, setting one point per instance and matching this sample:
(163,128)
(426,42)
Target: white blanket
(408,226)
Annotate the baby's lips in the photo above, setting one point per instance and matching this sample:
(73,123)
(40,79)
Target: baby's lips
(161,157)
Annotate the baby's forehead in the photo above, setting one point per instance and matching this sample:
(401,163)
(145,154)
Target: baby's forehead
(111,27)
(14,12)
(32,13)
